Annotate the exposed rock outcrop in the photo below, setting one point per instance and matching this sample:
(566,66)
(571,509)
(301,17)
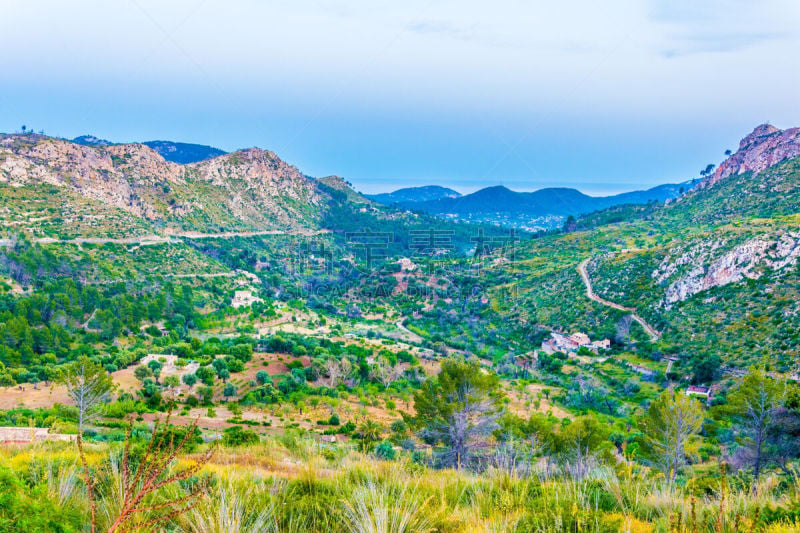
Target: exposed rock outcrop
(252,188)
(764,147)
(747,260)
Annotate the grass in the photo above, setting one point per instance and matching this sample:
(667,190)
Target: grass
(294,484)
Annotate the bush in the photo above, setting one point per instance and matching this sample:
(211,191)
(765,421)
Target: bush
(30,509)
(262,377)
(236,436)
(385,451)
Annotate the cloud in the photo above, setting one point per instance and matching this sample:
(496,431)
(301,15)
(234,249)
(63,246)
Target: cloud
(720,26)
(470,33)
(717,42)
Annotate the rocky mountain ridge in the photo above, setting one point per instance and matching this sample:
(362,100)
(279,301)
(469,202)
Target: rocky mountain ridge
(248,189)
(764,147)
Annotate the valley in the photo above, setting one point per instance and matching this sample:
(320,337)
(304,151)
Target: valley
(331,347)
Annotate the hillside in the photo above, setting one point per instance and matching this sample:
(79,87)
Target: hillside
(413,195)
(109,189)
(314,335)
(541,209)
(181,153)
(184,153)
(716,270)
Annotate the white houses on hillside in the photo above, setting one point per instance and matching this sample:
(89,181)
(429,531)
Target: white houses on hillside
(572,343)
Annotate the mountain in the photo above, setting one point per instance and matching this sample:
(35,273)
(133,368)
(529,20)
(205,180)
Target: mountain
(337,183)
(764,147)
(550,201)
(542,209)
(184,153)
(114,188)
(715,271)
(181,153)
(91,140)
(413,195)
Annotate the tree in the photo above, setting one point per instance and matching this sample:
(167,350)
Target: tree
(172,381)
(338,370)
(754,405)
(459,409)
(384,372)
(207,394)
(708,170)
(142,372)
(189,379)
(88,385)
(262,376)
(369,432)
(155,367)
(229,390)
(705,368)
(784,436)
(206,375)
(671,421)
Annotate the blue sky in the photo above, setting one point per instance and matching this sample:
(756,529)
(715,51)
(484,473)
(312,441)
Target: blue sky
(601,96)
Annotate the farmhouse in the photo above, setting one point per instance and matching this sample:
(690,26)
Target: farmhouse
(244,299)
(703,392)
(572,343)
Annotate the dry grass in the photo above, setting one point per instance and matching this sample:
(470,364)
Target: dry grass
(289,483)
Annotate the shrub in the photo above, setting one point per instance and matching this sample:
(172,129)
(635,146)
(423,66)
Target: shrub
(236,436)
(385,451)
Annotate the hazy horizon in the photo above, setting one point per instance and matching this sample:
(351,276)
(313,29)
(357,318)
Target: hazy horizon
(604,98)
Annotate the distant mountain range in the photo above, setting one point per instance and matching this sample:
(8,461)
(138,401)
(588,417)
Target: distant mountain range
(184,153)
(528,210)
(181,153)
(412,195)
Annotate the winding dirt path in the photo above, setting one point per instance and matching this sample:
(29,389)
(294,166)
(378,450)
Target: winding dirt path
(653,332)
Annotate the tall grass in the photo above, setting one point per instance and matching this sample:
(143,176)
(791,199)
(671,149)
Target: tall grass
(293,485)
(378,506)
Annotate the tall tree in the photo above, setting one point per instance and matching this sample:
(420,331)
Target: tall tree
(754,404)
(88,385)
(672,420)
(459,410)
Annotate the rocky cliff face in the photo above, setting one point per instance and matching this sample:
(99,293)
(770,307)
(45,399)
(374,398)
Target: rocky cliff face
(259,187)
(113,175)
(707,265)
(764,147)
(251,188)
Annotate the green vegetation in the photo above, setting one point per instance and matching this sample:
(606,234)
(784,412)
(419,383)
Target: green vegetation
(341,389)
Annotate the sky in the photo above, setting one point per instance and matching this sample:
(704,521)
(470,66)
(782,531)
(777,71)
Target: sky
(601,96)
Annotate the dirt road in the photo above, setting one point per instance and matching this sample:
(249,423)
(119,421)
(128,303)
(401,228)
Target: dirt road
(169,237)
(653,332)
